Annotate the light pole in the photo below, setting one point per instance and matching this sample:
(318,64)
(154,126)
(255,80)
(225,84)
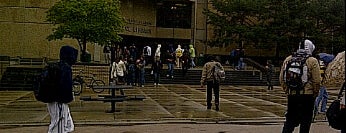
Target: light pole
(174,8)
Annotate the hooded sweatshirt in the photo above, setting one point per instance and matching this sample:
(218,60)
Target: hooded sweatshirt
(158,50)
(313,74)
(309,47)
(192,51)
(68,57)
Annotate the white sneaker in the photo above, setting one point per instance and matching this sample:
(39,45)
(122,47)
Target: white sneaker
(142,85)
(155,84)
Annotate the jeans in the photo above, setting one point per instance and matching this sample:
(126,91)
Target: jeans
(170,69)
(240,64)
(141,77)
(321,98)
(131,78)
(156,77)
(193,62)
(299,112)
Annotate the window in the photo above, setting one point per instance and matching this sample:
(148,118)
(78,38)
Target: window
(174,14)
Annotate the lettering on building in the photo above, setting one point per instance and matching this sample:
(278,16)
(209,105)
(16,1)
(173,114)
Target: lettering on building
(140,22)
(137,29)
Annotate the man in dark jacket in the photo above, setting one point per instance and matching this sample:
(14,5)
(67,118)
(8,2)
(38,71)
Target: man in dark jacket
(61,120)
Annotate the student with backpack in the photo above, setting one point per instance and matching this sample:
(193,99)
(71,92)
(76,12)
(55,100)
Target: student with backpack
(300,79)
(54,87)
(212,79)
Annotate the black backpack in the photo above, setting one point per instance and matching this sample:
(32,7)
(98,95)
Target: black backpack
(335,114)
(295,72)
(46,84)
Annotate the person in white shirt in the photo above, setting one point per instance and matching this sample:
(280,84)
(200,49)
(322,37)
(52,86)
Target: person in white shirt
(178,55)
(118,71)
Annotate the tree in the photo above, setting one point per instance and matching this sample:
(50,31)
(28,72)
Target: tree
(234,21)
(96,21)
(277,23)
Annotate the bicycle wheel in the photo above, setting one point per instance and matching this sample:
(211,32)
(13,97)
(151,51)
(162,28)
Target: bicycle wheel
(76,88)
(97,83)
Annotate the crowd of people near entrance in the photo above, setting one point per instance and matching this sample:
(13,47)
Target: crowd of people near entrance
(301,76)
(128,63)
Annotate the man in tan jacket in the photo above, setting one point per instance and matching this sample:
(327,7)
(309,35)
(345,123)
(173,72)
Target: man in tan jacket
(301,103)
(212,83)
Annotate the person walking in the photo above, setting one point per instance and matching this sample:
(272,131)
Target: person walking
(178,55)
(107,54)
(147,54)
(185,61)
(156,67)
(170,60)
(60,116)
(131,72)
(192,55)
(208,79)
(270,71)
(119,70)
(140,63)
(323,59)
(300,99)
(323,94)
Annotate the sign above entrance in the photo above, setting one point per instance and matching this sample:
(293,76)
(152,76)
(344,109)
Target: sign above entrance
(139,30)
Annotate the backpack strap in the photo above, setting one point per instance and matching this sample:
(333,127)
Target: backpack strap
(342,90)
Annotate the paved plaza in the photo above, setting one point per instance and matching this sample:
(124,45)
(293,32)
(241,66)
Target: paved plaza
(167,108)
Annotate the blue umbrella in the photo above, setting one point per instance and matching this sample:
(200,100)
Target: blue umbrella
(326,58)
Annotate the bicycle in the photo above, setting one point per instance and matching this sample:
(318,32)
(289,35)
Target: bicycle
(78,82)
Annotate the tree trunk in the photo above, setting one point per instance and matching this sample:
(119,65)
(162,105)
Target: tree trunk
(84,57)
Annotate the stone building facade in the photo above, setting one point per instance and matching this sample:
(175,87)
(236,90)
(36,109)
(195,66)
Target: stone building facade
(23,29)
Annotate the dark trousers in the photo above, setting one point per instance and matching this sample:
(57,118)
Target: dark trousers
(269,83)
(299,112)
(210,87)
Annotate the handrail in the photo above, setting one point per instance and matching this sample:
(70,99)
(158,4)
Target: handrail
(255,64)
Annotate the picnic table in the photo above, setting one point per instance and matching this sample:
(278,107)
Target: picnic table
(113,98)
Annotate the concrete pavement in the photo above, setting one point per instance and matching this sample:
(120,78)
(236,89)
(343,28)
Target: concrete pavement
(167,108)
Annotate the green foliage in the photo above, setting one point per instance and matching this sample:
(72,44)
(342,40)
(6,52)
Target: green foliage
(278,23)
(97,21)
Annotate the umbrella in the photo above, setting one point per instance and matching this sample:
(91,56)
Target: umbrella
(326,58)
(335,72)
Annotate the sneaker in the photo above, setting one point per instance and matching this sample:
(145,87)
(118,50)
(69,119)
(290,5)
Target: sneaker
(155,84)
(142,85)
(158,84)
(167,75)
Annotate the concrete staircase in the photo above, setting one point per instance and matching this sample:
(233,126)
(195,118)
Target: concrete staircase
(20,77)
(233,77)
